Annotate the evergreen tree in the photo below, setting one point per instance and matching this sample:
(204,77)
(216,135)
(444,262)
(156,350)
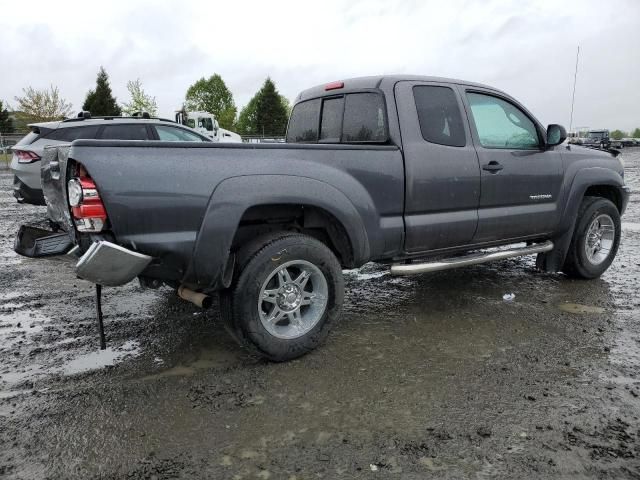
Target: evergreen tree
(101,102)
(271,114)
(6,123)
(636,133)
(266,113)
(247,119)
(212,95)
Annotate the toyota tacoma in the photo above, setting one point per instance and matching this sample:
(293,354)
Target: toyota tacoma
(419,173)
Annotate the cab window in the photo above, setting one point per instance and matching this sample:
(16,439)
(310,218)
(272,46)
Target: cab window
(303,125)
(439,115)
(500,124)
(364,119)
(350,118)
(206,123)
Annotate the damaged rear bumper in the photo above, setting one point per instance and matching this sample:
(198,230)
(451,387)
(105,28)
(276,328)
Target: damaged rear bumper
(103,263)
(108,264)
(36,242)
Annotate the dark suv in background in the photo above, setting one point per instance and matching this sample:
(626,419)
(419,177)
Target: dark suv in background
(25,162)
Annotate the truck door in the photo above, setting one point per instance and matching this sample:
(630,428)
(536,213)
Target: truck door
(520,178)
(441,167)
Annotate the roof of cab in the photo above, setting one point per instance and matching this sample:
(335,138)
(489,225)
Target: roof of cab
(379,81)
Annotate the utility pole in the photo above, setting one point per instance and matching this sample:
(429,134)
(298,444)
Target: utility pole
(573,97)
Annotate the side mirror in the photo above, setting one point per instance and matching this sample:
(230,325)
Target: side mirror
(556,134)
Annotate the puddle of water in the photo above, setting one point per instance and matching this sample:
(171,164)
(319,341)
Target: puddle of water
(207,359)
(25,318)
(631,226)
(100,358)
(579,309)
(10,295)
(14,326)
(364,276)
(13,393)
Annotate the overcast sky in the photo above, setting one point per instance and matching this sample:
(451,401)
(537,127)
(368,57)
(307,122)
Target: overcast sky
(526,48)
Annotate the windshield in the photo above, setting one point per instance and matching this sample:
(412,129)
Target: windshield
(596,135)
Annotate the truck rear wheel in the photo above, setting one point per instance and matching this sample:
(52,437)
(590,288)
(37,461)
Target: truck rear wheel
(286,296)
(595,240)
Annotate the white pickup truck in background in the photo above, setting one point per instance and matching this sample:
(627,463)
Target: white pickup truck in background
(206,124)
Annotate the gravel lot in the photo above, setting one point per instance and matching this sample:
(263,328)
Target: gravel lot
(426,377)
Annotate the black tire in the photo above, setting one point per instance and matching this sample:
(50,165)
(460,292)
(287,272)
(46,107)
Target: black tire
(256,262)
(577,264)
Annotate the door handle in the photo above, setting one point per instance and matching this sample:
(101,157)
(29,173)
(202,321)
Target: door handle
(492,166)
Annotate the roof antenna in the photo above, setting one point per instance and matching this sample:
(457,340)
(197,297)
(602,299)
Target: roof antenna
(573,97)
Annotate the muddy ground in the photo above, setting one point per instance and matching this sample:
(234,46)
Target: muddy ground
(426,377)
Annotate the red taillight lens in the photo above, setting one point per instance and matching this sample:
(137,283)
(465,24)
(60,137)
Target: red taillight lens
(26,156)
(86,204)
(334,85)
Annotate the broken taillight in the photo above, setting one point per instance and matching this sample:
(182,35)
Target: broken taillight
(86,205)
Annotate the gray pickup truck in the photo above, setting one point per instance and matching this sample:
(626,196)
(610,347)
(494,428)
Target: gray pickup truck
(419,173)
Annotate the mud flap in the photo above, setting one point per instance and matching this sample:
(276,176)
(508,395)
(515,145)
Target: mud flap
(553,261)
(36,242)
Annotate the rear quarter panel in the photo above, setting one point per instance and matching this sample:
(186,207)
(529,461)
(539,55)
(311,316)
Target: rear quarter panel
(157,195)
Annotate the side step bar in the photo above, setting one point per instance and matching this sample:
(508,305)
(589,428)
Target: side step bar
(473,259)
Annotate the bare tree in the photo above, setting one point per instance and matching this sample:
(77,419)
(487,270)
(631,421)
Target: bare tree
(43,105)
(140,101)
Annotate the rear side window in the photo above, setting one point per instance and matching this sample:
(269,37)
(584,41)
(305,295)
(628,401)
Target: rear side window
(173,134)
(74,133)
(364,118)
(439,115)
(28,139)
(351,118)
(303,125)
(125,131)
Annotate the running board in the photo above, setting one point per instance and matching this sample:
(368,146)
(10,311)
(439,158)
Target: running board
(473,259)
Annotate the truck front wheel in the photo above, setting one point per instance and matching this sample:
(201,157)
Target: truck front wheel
(286,296)
(595,240)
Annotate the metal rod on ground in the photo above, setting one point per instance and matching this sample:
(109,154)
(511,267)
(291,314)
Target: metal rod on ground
(103,341)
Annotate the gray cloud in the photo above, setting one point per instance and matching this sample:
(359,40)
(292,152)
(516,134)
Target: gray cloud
(524,48)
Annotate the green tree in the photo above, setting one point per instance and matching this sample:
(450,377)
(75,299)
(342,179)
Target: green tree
(212,95)
(42,105)
(266,113)
(246,124)
(618,134)
(6,122)
(140,101)
(101,102)
(636,133)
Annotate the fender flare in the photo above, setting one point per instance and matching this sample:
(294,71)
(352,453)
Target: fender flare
(583,179)
(234,195)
